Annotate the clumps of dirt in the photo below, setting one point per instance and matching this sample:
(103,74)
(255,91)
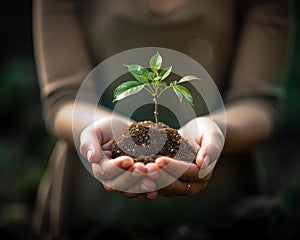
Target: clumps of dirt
(145,141)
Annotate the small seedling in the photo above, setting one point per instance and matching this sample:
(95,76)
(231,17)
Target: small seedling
(136,141)
(153,81)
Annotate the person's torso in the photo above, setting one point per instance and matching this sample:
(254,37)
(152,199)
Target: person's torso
(202,29)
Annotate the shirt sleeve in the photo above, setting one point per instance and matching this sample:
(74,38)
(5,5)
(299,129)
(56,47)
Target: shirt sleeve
(261,64)
(61,55)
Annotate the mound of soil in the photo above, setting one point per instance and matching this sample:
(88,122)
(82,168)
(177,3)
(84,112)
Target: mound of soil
(145,141)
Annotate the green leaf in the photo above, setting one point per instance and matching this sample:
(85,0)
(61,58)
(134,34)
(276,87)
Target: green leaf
(139,72)
(126,89)
(178,92)
(155,62)
(165,72)
(185,92)
(126,85)
(151,76)
(188,78)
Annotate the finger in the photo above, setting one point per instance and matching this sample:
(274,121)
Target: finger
(132,195)
(107,146)
(179,188)
(126,182)
(110,168)
(152,171)
(165,179)
(211,147)
(206,172)
(152,195)
(207,163)
(122,162)
(185,170)
(140,167)
(145,187)
(109,188)
(107,153)
(176,188)
(170,186)
(207,154)
(207,177)
(164,193)
(141,196)
(90,145)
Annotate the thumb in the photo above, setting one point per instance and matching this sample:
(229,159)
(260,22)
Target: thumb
(209,152)
(90,145)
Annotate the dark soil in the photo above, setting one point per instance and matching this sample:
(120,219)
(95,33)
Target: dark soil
(145,141)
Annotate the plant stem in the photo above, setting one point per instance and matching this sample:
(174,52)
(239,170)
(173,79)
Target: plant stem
(163,91)
(156,109)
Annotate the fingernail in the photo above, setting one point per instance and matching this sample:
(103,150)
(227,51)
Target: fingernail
(126,163)
(206,170)
(89,154)
(206,161)
(203,172)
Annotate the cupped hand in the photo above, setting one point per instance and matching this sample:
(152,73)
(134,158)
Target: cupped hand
(176,177)
(120,174)
(180,178)
(208,140)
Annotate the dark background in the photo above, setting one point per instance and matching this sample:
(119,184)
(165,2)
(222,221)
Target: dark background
(25,145)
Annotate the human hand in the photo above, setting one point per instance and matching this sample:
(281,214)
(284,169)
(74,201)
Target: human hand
(120,174)
(176,177)
(186,178)
(208,140)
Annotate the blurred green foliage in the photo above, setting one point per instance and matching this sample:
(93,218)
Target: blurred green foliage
(293,85)
(25,145)
(279,158)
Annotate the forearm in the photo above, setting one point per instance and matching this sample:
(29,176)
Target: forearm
(258,75)
(247,125)
(65,123)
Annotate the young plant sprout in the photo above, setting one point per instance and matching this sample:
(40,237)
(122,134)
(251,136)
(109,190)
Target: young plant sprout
(153,81)
(136,141)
